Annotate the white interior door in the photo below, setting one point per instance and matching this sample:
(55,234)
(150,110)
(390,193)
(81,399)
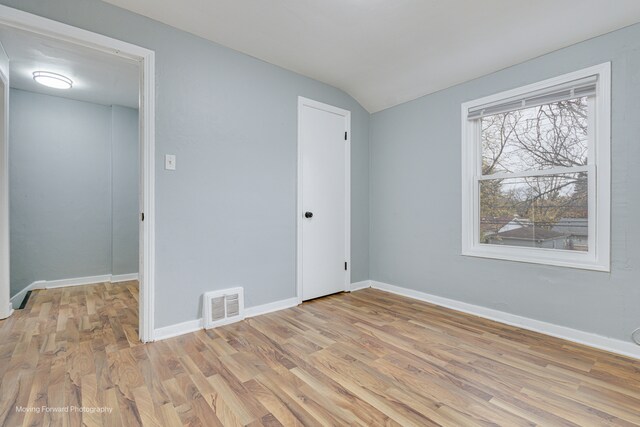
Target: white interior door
(323,199)
(5,304)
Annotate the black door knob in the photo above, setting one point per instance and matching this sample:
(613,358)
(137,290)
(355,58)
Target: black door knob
(308,214)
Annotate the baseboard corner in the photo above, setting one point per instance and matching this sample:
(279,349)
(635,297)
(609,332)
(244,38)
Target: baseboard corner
(16,300)
(363,284)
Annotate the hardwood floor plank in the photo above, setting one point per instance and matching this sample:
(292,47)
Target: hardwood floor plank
(280,410)
(368,358)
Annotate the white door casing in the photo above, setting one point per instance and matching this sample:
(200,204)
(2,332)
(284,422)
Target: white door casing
(28,22)
(324,192)
(5,304)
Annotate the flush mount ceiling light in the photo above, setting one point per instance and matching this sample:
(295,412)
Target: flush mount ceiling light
(53,80)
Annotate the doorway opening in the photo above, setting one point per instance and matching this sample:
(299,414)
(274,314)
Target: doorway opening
(78,170)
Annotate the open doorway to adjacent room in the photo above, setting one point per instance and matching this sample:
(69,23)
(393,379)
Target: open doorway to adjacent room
(75,170)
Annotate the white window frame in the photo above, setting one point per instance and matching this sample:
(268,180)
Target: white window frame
(599,176)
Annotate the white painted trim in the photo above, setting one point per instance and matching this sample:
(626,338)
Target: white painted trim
(541,85)
(59,31)
(541,172)
(5,278)
(78,281)
(356,286)
(302,102)
(270,307)
(178,329)
(16,300)
(574,335)
(347,201)
(147,266)
(197,324)
(119,278)
(598,258)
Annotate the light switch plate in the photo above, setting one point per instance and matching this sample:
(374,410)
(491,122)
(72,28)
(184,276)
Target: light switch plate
(170,162)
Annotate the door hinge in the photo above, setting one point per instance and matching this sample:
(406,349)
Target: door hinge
(345,136)
(142,216)
(345,266)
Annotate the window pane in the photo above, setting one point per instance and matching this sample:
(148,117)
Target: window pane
(547,211)
(548,136)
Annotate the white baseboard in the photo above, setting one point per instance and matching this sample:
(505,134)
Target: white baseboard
(270,307)
(197,324)
(78,281)
(356,286)
(612,345)
(118,278)
(177,329)
(16,300)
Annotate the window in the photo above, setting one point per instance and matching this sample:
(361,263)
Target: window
(536,172)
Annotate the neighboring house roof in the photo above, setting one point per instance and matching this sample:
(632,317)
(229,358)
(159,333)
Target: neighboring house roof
(515,223)
(530,233)
(572,226)
(497,224)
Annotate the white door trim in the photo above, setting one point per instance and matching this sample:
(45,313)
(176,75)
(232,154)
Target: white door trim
(305,102)
(59,31)
(6,310)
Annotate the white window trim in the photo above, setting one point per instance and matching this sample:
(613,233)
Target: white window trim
(598,257)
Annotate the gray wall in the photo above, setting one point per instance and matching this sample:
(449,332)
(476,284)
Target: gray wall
(226,217)
(60,188)
(416,206)
(73,189)
(124,200)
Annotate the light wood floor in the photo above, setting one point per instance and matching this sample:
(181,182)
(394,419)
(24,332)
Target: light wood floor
(366,358)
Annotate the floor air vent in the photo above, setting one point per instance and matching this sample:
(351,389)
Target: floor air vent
(223,307)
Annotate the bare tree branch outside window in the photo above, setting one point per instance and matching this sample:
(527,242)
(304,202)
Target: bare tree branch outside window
(540,211)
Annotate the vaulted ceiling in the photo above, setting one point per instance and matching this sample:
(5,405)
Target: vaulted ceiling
(385,52)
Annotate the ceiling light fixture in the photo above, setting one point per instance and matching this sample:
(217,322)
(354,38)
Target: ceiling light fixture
(53,80)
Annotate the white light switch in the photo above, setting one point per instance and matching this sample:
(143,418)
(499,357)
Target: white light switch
(170,162)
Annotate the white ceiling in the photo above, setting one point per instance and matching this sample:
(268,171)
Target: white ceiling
(98,77)
(385,52)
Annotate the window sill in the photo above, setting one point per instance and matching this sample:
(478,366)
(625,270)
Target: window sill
(541,256)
